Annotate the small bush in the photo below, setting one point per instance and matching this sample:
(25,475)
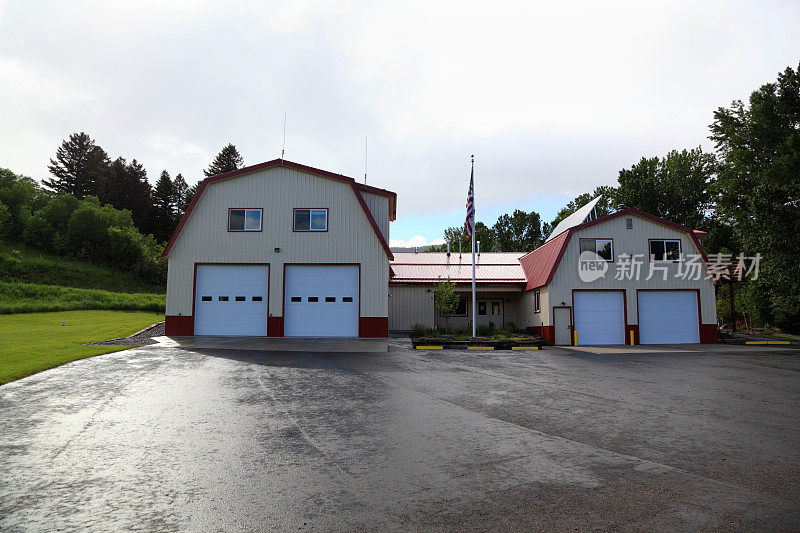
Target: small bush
(124,247)
(418,330)
(38,233)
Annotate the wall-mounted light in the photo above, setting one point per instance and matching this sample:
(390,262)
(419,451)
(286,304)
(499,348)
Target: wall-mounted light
(277,250)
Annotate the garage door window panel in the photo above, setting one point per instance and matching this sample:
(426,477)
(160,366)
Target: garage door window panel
(665,250)
(603,248)
(308,219)
(244,219)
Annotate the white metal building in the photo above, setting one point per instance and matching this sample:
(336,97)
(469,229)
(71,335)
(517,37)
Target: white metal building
(281,249)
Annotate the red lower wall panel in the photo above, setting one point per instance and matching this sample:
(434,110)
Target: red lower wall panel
(373,326)
(179,325)
(546,332)
(708,334)
(275,326)
(635,329)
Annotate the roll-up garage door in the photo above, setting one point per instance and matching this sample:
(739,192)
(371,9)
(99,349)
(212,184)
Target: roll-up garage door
(668,317)
(231,300)
(321,301)
(599,317)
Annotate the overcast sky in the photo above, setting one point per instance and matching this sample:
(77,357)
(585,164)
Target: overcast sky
(553,98)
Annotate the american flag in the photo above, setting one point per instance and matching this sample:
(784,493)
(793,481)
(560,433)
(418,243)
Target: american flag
(470,222)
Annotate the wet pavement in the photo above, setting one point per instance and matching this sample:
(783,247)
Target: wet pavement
(170,439)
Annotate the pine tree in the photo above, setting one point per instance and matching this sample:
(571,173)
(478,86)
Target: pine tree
(163,207)
(227,160)
(181,189)
(126,187)
(79,168)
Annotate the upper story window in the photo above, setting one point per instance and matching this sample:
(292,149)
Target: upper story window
(665,250)
(244,219)
(604,248)
(310,220)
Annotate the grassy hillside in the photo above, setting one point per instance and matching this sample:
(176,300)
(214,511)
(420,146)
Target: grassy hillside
(35,298)
(21,264)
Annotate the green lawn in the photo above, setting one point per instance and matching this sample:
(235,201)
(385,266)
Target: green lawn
(30,343)
(33,298)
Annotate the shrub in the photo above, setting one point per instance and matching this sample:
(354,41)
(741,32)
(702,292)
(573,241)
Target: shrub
(418,330)
(124,247)
(59,210)
(5,220)
(38,232)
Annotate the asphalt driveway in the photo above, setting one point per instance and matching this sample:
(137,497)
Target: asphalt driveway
(164,438)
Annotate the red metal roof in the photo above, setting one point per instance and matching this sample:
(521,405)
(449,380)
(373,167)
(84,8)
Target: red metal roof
(540,264)
(355,186)
(424,267)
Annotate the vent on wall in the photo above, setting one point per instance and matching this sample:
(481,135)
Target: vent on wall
(629,223)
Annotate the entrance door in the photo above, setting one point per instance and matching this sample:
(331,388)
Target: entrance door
(561,321)
(490,311)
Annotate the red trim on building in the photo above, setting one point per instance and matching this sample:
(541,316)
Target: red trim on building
(178,325)
(548,333)
(373,326)
(275,326)
(709,334)
(356,187)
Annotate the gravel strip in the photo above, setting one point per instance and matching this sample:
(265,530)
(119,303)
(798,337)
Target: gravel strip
(142,338)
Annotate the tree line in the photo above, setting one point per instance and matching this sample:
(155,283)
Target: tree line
(746,195)
(99,210)
(81,168)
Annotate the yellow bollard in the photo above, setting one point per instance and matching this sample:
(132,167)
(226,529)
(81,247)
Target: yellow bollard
(631,337)
(575,333)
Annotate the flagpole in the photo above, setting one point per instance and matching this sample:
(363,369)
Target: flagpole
(472,179)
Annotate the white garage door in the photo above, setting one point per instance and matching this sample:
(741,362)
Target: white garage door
(231,300)
(668,317)
(599,317)
(321,301)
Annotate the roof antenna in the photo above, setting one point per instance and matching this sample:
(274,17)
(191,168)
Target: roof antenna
(283,148)
(365,160)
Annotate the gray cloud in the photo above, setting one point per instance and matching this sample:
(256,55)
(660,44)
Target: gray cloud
(553,98)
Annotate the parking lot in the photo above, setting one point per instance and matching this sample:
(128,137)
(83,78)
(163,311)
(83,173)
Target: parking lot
(168,438)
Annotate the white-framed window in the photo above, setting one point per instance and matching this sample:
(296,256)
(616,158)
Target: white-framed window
(244,219)
(665,250)
(604,248)
(311,219)
(536,304)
